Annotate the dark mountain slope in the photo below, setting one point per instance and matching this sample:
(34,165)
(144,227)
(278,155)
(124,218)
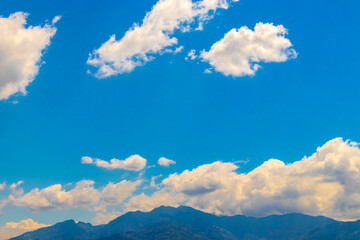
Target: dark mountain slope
(175,231)
(185,223)
(335,231)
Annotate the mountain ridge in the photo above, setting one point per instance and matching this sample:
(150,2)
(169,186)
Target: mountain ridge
(188,223)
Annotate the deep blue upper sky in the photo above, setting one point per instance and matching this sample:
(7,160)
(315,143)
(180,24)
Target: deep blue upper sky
(169,107)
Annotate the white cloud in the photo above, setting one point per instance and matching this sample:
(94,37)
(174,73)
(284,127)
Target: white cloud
(153,181)
(21,49)
(238,53)
(15,185)
(132,163)
(114,194)
(207,71)
(191,55)
(326,183)
(2,186)
(83,195)
(141,42)
(56,197)
(13,229)
(165,162)
(178,49)
(87,160)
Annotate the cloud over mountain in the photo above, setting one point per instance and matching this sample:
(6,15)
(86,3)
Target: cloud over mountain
(326,183)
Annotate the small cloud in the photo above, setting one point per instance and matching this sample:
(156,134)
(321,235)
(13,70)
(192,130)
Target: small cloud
(242,161)
(56,19)
(208,71)
(200,27)
(15,185)
(86,160)
(153,181)
(164,162)
(191,55)
(179,49)
(133,163)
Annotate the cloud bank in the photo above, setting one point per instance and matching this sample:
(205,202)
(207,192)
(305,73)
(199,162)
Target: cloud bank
(21,49)
(83,195)
(132,163)
(240,51)
(153,36)
(325,183)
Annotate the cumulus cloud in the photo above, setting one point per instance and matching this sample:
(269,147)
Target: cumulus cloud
(326,183)
(132,163)
(114,194)
(56,197)
(165,162)
(21,49)
(141,42)
(240,51)
(83,195)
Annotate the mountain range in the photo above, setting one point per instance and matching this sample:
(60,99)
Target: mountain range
(187,223)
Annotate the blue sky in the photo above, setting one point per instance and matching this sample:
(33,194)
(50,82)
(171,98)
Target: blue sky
(169,107)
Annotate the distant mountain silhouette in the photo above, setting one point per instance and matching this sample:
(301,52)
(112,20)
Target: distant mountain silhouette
(338,230)
(188,223)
